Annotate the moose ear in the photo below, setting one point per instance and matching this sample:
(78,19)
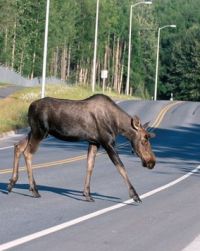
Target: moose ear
(135,122)
(146,125)
(152,135)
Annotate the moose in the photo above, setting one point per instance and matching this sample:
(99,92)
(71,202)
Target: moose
(97,120)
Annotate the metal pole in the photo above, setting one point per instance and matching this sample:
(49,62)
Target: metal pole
(157,62)
(45,49)
(129,51)
(95,48)
(157,59)
(129,44)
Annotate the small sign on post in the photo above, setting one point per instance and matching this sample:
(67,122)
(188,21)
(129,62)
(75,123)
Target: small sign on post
(104,76)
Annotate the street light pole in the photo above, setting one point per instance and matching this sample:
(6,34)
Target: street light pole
(95,48)
(129,43)
(45,49)
(157,58)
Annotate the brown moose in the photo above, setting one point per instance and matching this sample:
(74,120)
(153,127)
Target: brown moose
(97,120)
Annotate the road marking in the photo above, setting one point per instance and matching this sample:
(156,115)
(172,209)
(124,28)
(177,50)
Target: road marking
(49,164)
(6,147)
(162,113)
(81,219)
(157,122)
(21,135)
(58,162)
(194,245)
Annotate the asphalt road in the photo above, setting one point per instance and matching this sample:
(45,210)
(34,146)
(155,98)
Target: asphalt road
(6,91)
(167,220)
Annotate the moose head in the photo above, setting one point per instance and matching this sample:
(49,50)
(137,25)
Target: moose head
(141,144)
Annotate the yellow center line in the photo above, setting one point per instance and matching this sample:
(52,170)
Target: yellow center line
(156,124)
(163,113)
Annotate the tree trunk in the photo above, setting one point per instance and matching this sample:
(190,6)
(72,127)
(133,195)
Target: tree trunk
(113,63)
(33,65)
(116,71)
(5,46)
(85,74)
(109,53)
(63,63)
(21,59)
(55,63)
(68,62)
(34,53)
(122,69)
(105,66)
(77,73)
(80,75)
(14,45)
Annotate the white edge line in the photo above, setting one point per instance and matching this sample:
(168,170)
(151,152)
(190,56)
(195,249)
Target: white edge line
(194,245)
(6,147)
(70,223)
(12,146)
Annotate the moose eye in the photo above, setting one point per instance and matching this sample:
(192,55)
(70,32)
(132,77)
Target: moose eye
(144,141)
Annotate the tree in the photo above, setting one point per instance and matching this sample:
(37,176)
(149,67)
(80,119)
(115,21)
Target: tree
(62,34)
(179,54)
(8,21)
(183,75)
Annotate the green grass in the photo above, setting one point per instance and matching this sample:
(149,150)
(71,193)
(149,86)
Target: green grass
(13,111)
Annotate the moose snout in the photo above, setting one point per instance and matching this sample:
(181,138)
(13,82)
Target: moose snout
(149,164)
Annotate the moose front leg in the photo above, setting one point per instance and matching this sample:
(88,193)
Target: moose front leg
(92,151)
(18,150)
(121,169)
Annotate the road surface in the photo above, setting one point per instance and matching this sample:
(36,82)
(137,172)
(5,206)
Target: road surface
(167,219)
(8,90)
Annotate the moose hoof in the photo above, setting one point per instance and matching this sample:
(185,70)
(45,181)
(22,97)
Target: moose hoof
(36,194)
(88,198)
(137,199)
(134,196)
(10,185)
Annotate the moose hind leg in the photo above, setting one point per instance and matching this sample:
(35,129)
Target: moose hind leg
(28,155)
(19,148)
(92,151)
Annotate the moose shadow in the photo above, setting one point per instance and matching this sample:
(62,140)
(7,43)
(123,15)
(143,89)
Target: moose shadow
(71,193)
(180,143)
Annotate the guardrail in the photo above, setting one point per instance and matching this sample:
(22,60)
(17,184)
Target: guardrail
(9,76)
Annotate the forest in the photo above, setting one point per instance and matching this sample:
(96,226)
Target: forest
(71,43)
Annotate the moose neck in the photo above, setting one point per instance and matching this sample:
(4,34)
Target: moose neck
(125,127)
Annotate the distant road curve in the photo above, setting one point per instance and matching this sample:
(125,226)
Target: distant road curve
(6,91)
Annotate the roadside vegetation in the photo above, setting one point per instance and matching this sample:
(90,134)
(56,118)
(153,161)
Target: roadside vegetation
(13,112)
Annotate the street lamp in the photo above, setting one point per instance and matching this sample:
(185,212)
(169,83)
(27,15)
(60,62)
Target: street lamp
(157,58)
(129,43)
(45,50)
(95,48)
